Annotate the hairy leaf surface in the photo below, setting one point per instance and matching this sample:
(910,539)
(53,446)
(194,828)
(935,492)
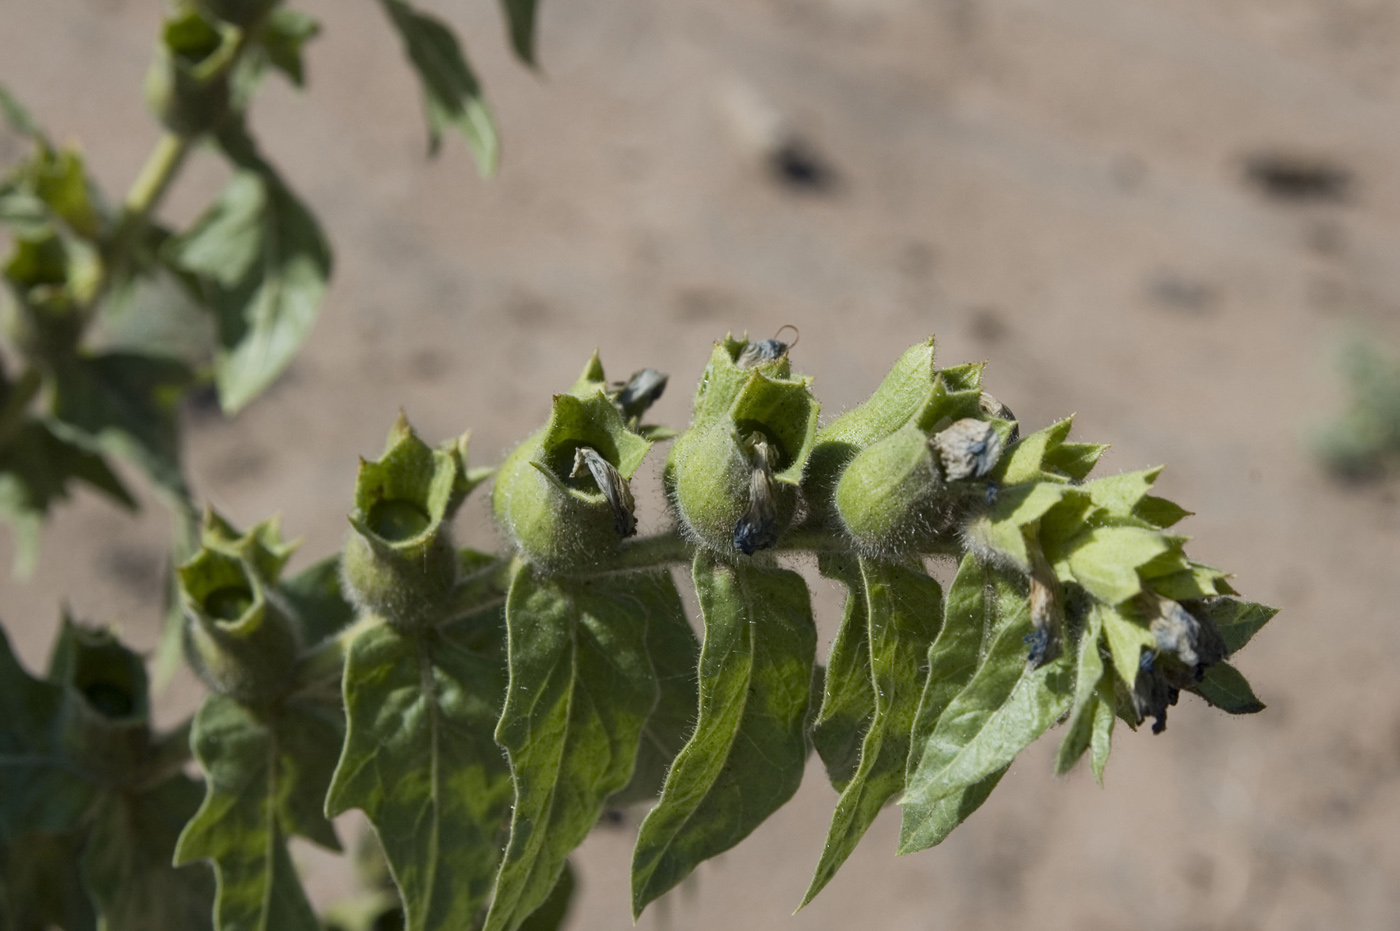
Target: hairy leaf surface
(452,96)
(1089,672)
(266,778)
(41,788)
(674,653)
(420,761)
(1225,688)
(127,866)
(581,689)
(746,756)
(982,602)
(848,696)
(265,262)
(905,611)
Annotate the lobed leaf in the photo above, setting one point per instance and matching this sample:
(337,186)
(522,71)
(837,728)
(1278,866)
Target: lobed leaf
(1106,559)
(581,689)
(998,714)
(1238,621)
(1089,672)
(746,755)
(267,774)
(1225,688)
(284,33)
(41,886)
(124,404)
(1126,638)
(126,862)
(520,16)
(451,95)
(981,604)
(904,615)
(550,916)
(848,693)
(1102,739)
(41,788)
(36,469)
(265,263)
(674,653)
(420,761)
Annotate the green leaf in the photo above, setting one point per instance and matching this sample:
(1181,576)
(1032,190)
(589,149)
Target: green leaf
(1225,688)
(1126,638)
(905,611)
(1089,672)
(550,916)
(581,688)
(284,33)
(1075,460)
(266,777)
(1120,494)
(1160,512)
(848,695)
(1238,621)
(1025,460)
(319,610)
(266,264)
(41,886)
(1102,740)
(124,404)
(127,861)
(1016,508)
(973,614)
(420,761)
(746,756)
(520,14)
(1106,560)
(41,788)
(18,118)
(1002,709)
(674,653)
(36,469)
(451,95)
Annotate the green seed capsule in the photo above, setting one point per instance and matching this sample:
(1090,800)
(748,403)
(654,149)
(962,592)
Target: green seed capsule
(733,476)
(400,562)
(239,637)
(187,86)
(562,495)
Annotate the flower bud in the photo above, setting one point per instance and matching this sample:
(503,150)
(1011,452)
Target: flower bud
(733,476)
(400,562)
(187,85)
(562,495)
(239,637)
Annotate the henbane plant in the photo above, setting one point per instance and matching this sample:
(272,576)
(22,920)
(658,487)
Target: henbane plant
(485,709)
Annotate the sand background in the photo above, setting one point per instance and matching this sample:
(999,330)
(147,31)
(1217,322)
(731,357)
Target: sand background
(1059,188)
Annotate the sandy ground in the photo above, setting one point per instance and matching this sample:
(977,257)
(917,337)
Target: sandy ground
(1057,187)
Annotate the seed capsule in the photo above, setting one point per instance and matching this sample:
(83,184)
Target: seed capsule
(613,486)
(969,448)
(758,528)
